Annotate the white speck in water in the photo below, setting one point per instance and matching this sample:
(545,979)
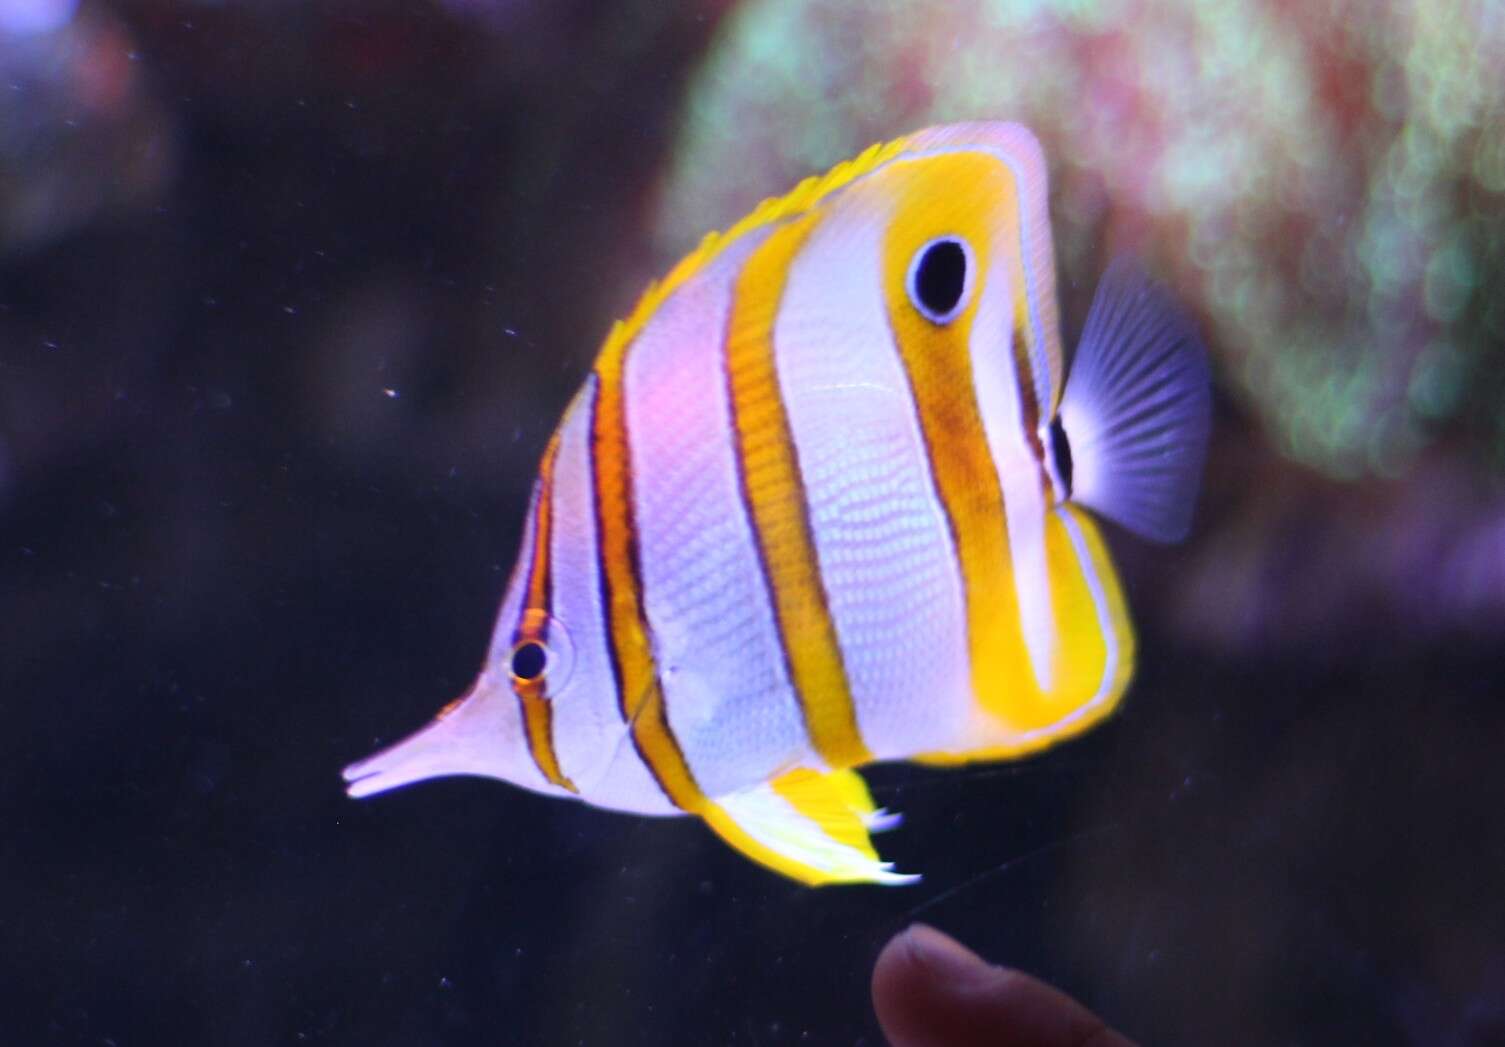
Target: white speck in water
(391,394)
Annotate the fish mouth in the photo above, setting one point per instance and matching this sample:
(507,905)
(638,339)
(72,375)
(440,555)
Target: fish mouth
(368,777)
(362,781)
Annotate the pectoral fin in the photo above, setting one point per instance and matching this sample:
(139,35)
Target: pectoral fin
(809,826)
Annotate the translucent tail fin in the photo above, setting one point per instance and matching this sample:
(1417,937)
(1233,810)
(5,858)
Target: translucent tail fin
(1137,408)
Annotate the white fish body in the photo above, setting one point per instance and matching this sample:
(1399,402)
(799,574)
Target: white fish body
(814,508)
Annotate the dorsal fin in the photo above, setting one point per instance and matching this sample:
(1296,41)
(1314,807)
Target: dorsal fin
(802,198)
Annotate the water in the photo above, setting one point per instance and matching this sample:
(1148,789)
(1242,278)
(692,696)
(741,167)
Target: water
(271,398)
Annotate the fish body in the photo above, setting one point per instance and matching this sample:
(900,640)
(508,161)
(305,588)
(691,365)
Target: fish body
(823,501)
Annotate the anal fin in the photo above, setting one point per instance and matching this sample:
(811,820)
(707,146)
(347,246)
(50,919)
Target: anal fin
(810,826)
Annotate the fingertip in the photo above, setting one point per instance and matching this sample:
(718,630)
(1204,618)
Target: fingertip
(929,989)
(919,983)
(940,955)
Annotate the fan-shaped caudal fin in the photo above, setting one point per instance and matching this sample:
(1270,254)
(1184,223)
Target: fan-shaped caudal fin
(1137,408)
(810,826)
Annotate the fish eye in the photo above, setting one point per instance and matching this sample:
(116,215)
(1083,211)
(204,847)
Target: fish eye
(939,278)
(542,653)
(529,661)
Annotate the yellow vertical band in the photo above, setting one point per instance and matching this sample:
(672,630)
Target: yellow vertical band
(773,490)
(640,696)
(973,196)
(538,720)
(536,594)
(532,627)
(1092,668)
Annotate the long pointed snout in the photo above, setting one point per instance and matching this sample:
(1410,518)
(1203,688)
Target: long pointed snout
(465,738)
(427,753)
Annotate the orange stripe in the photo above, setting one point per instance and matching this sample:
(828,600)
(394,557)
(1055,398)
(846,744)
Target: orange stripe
(774,492)
(533,627)
(640,695)
(537,594)
(964,195)
(538,718)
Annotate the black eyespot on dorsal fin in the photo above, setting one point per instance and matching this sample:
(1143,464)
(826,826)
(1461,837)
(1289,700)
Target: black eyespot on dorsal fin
(940,277)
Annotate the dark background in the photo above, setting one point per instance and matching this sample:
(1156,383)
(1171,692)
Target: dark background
(290,298)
